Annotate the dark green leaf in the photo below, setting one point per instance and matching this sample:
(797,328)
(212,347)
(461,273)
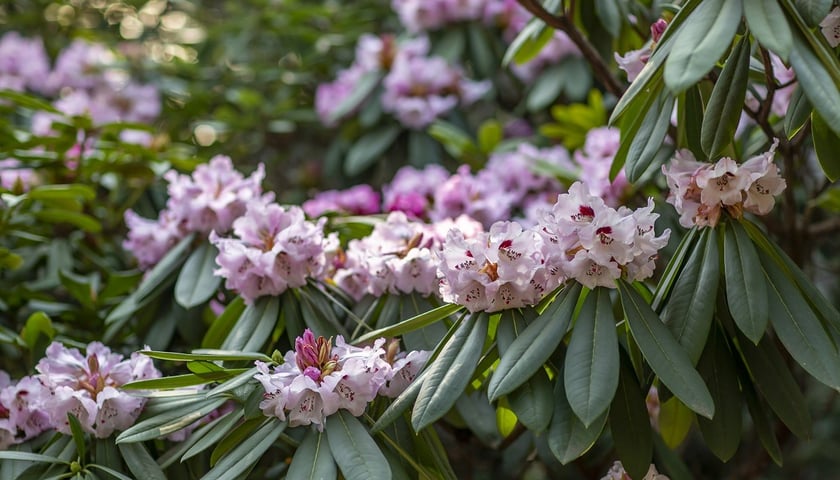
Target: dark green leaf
(62,192)
(591,368)
(648,138)
(568,438)
(355,452)
(450,373)
(690,120)
(817,81)
(762,424)
(313,459)
(413,323)
(369,148)
(630,425)
(140,462)
(665,356)
(701,42)
(546,88)
(247,453)
(826,146)
(56,215)
(746,287)
(28,457)
(813,11)
(535,345)
(224,323)
(533,402)
(78,434)
(799,111)
(769,25)
(173,420)
(673,269)
(724,108)
(609,13)
(213,432)
(254,326)
(688,313)
(723,432)
(196,283)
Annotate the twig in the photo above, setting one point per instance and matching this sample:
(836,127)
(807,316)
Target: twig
(564,24)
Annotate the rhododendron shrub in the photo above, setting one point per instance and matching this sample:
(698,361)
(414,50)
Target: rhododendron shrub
(584,239)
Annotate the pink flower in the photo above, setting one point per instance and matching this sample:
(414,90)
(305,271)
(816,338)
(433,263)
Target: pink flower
(150,240)
(23,63)
(88,387)
(765,182)
(595,160)
(21,416)
(412,190)
(357,200)
(16,178)
(831,27)
(633,61)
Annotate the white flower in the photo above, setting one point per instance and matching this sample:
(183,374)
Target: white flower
(831,27)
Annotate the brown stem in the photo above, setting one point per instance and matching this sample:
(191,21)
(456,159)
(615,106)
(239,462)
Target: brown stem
(564,24)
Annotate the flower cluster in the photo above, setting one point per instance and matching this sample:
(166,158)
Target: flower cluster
(274,248)
(417,88)
(422,15)
(596,244)
(358,200)
(699,191)
(501,269)
(24,64)
(87,82)
(208,200)
(88,386)
(16,178)
(397,257)
(317,379)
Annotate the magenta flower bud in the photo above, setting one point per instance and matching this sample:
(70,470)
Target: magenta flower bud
(657,29)
(313,373)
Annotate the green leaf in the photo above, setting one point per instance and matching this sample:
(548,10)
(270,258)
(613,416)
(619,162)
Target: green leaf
(422,149)
(546,88)
(254,326)
(313,459)
(690,120)
(173,420)
(414,323)
(638,112)
(673,269)
(62,192)
(29,457)
(223,324)
(630,425)
(196,283)
(483,59)
(701,42)
(57,215)
(451,372)
(826,146)
(533,402)
(78,434)
(723,432)
(535,345)
(456,142)
(799,111)
(649,137)
(28,101)
(592,364)
(163,270)
(813,11)
(609,13)
(217,430)
(489,135)
(355,452)
(769,25)
(247,453)
(141,464)
(688,313)
(568,438)
(665,356)
(762,423)
(37,325)
(207,355)
(798,327)
(110,471)
(724,108)
(362,89)
(816,80)
(675,421)
(777,385)
(746,287)
(369,148)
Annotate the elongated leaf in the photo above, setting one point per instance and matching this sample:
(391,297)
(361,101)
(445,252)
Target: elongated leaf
(367,149)
(769,25)
(665,356)
(209,355)
(246,454)
(223,324)
(723,111)
(81,220)
(110,471)
(167,383)
(78,434)
(511,325)
(355,452)
(254,326)
(690,120)
(799,111)
(688,313)
(826,146)
(216,431)
(196,282)
(413,323)
(813,11)
(171,421)
(817,82)
(673,269)
(313,459)
(164,269)
(29,457)
(140,462)
(762,424)
(630,425)
(62,192)
(535,345)
(701,42)
(546,88)
(568,438)
(533,402)
(723,432)
(746,287)
(675,420)
(798,327)
(591,368)
(777,385)
(640,112)
(609,13)
(450,373)
(648,139)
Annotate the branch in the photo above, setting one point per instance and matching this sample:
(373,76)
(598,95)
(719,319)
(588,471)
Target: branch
(562,23)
